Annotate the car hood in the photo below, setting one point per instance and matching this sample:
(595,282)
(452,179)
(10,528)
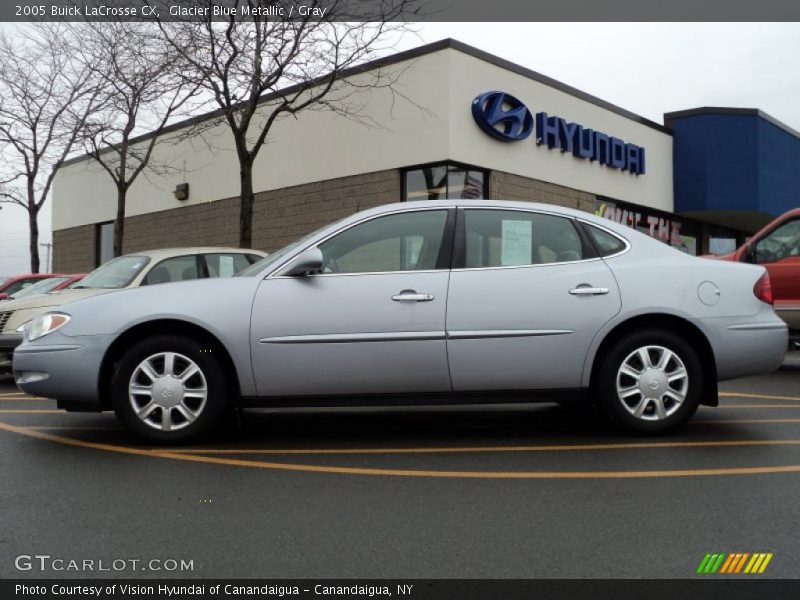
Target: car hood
(214,303)
(48,300)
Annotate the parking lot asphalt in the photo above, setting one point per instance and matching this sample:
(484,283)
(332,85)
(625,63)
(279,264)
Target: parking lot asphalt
(536,491)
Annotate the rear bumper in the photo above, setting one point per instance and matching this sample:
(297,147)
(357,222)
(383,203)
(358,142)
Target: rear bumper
(8,342)
(746,346)
(66,369)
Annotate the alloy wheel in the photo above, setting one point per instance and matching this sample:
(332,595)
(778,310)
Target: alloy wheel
(167,391)
(652,383)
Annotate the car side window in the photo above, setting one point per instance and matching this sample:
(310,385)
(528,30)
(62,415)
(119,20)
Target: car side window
(226,265)
(503,238)
(781,243)
(408,241)
(179,268)
(607,244)
(19,285)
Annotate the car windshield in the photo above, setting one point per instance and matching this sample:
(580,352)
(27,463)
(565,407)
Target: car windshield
(115,274)
(41,287)
(278,255)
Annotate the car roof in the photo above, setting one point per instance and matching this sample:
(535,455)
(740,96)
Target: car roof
(491,203)
(167,252)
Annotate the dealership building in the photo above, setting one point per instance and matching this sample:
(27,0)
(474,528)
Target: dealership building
(456,123)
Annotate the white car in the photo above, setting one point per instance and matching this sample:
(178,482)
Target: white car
(132,270)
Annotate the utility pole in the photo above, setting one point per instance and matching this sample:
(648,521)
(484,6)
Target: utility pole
(48,246)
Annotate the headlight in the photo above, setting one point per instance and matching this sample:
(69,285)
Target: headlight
(44,324)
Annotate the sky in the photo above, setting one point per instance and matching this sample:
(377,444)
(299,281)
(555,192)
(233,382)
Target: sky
(647,68)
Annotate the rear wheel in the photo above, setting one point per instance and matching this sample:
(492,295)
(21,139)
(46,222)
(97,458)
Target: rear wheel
(169,389)
(650,382)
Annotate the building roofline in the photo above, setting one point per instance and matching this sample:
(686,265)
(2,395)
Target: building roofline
(554,83)
(424,50)
(730,111)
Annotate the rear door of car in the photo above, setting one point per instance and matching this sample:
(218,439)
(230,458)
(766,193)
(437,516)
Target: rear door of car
(371,323)
(527,296)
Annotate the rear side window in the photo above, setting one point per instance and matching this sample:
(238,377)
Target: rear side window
(503,238)
(607,244)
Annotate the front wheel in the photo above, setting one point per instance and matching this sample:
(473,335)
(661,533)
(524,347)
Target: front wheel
(169,390)
(650,382)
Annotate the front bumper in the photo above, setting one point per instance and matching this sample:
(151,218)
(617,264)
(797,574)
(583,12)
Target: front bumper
(64,368)
(8,342)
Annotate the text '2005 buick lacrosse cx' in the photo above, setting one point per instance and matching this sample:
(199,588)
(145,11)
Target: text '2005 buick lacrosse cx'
(431,302)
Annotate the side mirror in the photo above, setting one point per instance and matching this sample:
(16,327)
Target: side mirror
(308,263)
(749,255)
(3,296)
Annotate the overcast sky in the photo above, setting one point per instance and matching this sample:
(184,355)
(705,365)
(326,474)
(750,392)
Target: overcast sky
(649,69)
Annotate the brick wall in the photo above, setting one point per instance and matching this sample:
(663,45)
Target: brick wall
(73,250)
(505,186)
(279,217)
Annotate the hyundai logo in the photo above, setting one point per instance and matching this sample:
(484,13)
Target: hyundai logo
(502,116)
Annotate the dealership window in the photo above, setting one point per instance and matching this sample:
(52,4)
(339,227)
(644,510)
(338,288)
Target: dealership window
(444,180)
(721,240)
(682,234)
(504,238)
(104,243)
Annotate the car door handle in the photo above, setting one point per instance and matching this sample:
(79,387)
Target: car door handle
(411,296)
(588,291)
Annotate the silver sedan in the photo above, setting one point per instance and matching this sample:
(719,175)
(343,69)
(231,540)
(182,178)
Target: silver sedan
(422,302)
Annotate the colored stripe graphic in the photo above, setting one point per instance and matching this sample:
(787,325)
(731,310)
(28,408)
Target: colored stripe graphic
(703,563)
(735,563)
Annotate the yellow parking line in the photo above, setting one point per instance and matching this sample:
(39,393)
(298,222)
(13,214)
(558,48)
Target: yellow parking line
(735,406)
(76,428)
(483,449)
(746,421)
(762,396)
(401,472)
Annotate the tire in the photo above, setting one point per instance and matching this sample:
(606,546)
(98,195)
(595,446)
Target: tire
(658,400)
(193,407)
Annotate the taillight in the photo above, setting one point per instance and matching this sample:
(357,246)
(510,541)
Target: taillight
(763,289)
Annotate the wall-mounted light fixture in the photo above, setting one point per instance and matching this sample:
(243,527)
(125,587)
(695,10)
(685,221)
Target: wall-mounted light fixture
(181,191)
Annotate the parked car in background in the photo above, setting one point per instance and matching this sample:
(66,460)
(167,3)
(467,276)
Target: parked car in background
(132,270)
(432,302)
(45,286)
(777,248)
(12,285)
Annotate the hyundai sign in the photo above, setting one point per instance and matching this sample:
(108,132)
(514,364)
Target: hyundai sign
(505,118)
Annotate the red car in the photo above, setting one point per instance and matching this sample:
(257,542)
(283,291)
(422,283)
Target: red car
(11,285)
(48,285)
(777,247)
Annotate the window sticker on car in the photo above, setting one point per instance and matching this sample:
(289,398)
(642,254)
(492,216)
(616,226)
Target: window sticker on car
(517,243)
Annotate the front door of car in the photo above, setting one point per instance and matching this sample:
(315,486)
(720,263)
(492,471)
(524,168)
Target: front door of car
(526,303)
(372,322)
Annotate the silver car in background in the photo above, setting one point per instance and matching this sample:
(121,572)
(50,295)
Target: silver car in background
(429,302)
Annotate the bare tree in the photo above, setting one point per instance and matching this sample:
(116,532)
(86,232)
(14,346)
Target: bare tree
(45,99)
(141,92)
(261,64)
